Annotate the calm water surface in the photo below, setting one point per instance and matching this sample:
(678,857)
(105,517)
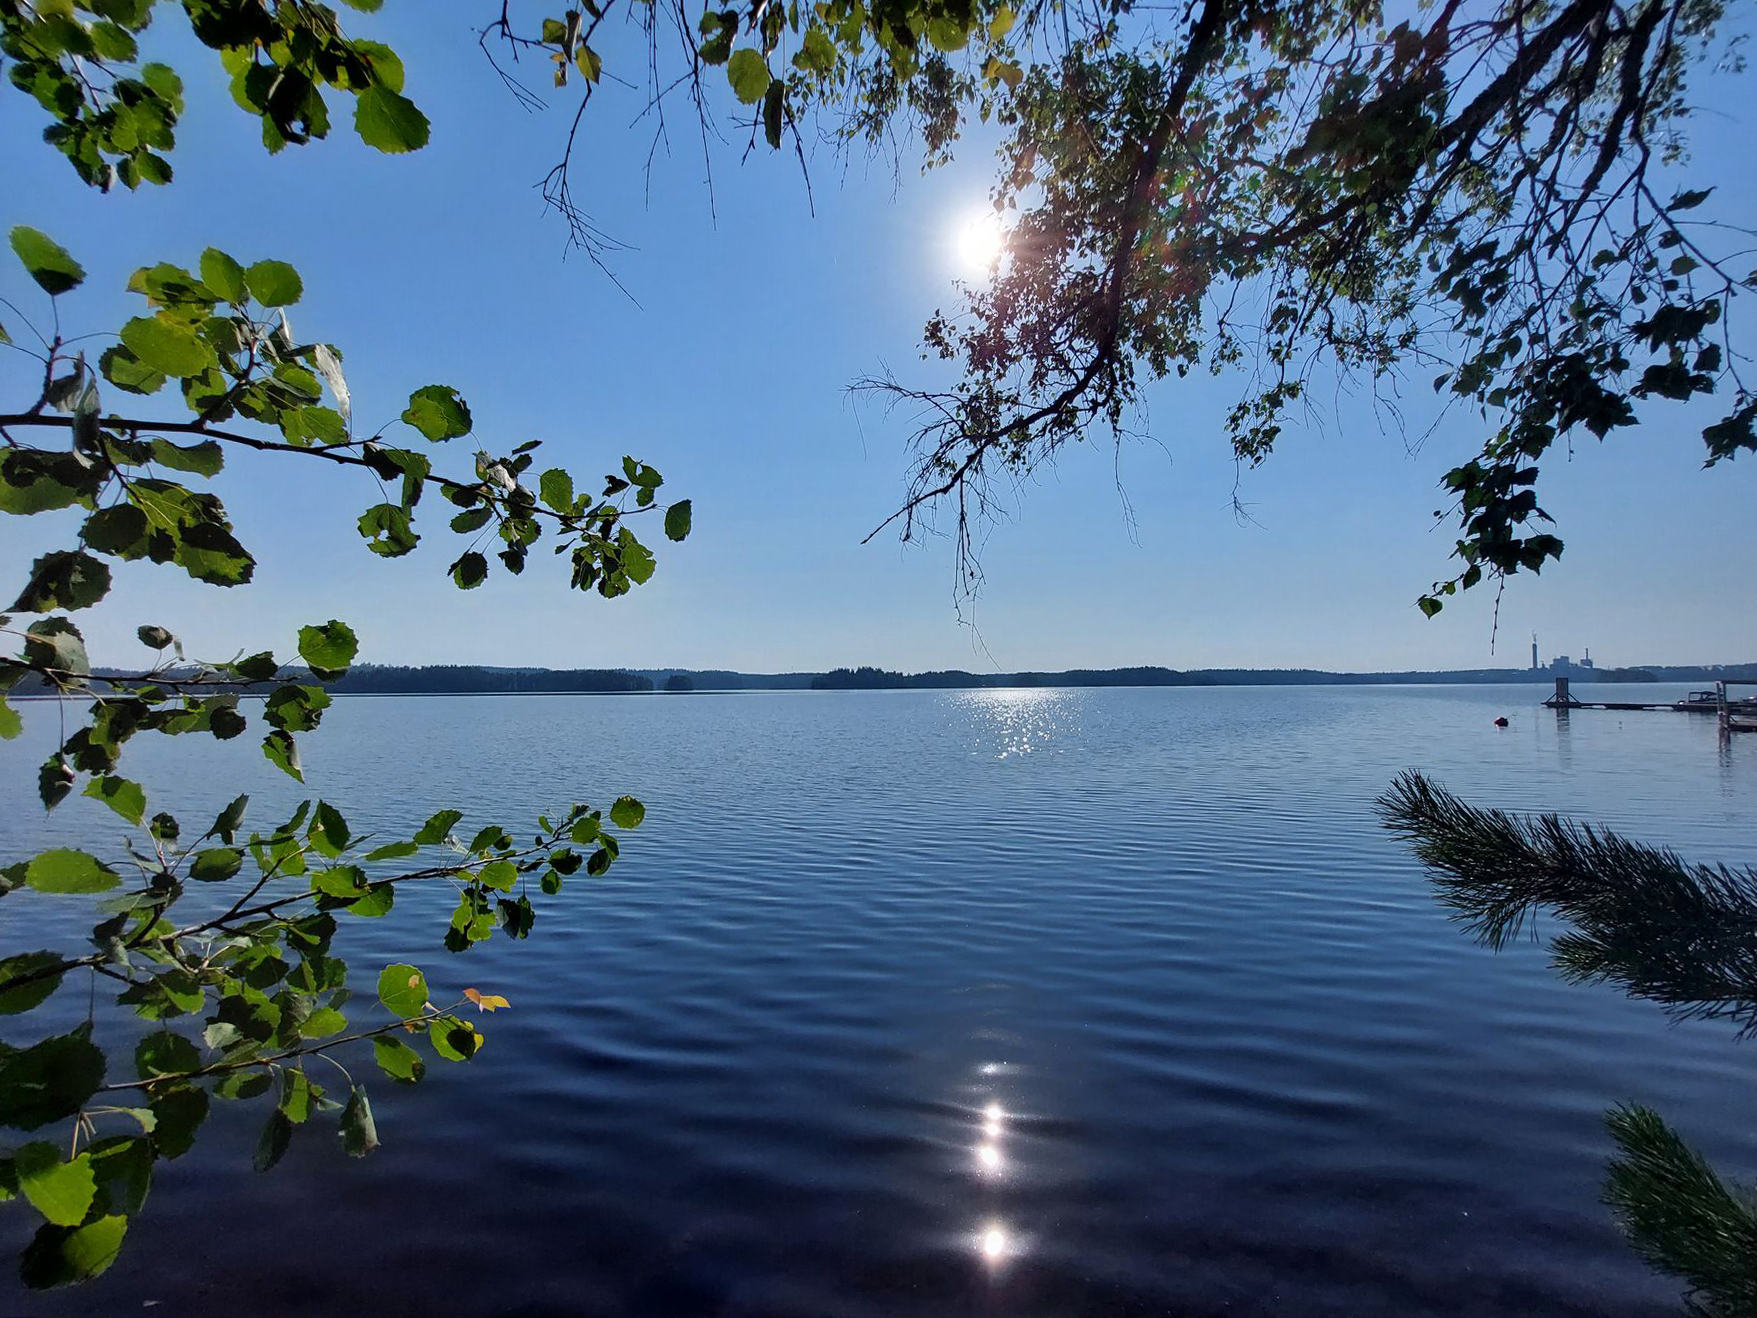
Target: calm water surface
(1063,1002)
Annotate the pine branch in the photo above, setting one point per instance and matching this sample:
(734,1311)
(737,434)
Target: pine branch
(1665,930)
(1680,1216)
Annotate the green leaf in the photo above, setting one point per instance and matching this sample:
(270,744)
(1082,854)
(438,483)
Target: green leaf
(259,667)
(63,870)
(126,371)
(35,482)
(817,52)
(297,1095)
(215,865)
(25,996)
(469,571)
(224,276)
(243,1084)
(748,73)
(296,708)
(1429,605)
(627,812)
(65,579)
(439,412)
(677,520)
(377,901)
(435,830)
(125,798)
(47,261)
(453,1039)
(272,1143)
(392,851)
(947,34)
(165,1054)
(60,1256)
(50,1081)
(388,530)
(122,530)
(389,121)
(226,824)
(328,649)
(774,112)
(329,828)
(345,882)
(11,724)
(224,720)
(397,1060)
(387,66)
(154,638)
(203,459)
(274,283)
(180,1113)
(283,752)
(556,488)
(359,1134)
(403,989)
(500,875)
(54,780)
(167,346)
(56,643)
(123,1164)
(322,1023)
(208,551)
(61,1191)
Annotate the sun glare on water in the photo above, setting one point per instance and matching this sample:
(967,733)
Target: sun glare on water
(979,241)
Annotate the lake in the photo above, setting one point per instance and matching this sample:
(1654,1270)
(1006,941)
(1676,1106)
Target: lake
(1028,1002)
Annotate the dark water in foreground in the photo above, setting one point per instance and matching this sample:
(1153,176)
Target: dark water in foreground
(1147,948)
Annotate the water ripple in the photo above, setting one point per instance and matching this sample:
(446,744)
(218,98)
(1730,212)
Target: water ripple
(1029,1003)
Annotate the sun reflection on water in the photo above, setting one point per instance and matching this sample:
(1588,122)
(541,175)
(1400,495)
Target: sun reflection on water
(994,1242)
(1018,720)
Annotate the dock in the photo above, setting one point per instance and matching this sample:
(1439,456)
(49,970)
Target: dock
(1563,700)
(1733,713)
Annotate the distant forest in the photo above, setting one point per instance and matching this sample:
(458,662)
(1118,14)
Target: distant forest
(461,679)
(879,679)
(465,679)
(366,679)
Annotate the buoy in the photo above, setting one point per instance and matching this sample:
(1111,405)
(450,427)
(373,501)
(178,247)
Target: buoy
(1501,722)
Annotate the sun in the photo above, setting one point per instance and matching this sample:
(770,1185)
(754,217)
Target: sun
(978,242)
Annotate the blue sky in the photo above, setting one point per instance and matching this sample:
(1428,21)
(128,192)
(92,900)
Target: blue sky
(730,376)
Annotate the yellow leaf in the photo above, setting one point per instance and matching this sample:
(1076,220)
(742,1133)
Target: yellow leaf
(486,1001)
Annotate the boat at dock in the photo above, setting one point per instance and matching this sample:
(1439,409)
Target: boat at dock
(1736,713)
(1708,702)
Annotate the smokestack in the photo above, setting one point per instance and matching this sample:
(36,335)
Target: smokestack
(1534,651)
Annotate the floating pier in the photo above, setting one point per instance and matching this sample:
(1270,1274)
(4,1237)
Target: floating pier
(1735,714)
(1562,700)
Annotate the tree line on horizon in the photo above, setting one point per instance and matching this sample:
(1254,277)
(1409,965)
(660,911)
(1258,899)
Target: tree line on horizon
(472,679)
